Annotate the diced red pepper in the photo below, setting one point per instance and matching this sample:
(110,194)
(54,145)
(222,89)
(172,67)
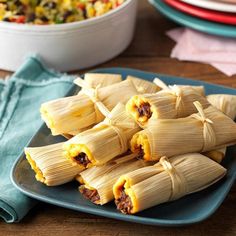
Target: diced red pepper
(81,5)
(19,19)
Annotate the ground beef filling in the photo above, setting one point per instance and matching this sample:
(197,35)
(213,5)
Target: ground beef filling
(144,110)
(124,203)
(82,159)
(92,195)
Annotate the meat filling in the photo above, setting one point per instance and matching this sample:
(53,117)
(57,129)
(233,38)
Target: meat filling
(92,195)
(145,110)
(124,203)
(82,159)
(140,152)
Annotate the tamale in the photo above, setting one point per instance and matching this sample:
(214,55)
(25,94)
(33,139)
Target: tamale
(71,114)
(143,86)
(227,104)
(175,102)
(50,166)
(198,88)
(168,180)
(100,79)
(206,130)
(97,182)
(104,141)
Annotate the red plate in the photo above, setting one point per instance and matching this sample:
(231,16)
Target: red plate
(227,18)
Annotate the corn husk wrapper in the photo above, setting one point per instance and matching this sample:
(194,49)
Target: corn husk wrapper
(143,86)
(168,180)
(175,102)
(100,179)
(50,166)
(72,114)
(216,155)
(198,88)
(227,104)
(100,79)
(104,141)
(204,131)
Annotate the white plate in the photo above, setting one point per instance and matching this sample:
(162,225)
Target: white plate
(213,5)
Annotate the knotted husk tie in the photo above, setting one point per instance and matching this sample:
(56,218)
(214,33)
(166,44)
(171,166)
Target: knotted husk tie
(114,120)
(178,181)
(92,93)
(175,91)
(208,130)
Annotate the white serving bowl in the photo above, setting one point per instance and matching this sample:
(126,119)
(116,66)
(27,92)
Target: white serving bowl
(70,46)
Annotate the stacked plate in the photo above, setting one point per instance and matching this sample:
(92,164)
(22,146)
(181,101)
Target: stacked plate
(210,16)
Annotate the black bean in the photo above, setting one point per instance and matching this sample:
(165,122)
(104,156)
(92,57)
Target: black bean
(66,14)
(7,19)
(31,17)
(50,5)
(44,18)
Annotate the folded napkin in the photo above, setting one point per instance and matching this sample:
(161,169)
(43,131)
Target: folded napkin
(20,99)
(192,45)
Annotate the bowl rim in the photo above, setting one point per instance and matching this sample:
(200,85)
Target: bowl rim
(72,25)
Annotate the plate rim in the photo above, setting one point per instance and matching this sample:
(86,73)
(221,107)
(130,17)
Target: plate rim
(202,13)
(218,6)
(120,216)
(193,22)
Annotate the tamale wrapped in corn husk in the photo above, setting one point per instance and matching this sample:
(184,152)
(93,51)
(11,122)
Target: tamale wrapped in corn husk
(104,141)
(71,114)
(50,166)
(92,80)
(176,102)
(97,182)
(227,104)
(198,88)
(143,86)
(168,180)
(100,79)
(204,131)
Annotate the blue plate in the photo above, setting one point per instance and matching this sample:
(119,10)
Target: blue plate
(193,22)
(188,210)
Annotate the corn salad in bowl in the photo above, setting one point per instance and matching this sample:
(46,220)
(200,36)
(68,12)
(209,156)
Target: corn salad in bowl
(44,12)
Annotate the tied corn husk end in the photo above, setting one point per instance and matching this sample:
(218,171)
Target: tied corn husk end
(97,182)
(49,165)
(174,102)
(168,180)
(143,86)
(170,137)
(104,141)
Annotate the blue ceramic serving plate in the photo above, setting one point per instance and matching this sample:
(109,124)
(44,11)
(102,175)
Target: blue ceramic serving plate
(188,210)
(194,22)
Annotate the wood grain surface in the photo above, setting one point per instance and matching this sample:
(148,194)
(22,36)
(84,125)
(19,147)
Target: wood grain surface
(150,51)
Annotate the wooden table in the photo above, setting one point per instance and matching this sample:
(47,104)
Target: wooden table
(150,50)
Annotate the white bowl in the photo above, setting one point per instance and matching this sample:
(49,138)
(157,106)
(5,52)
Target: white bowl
(70,46)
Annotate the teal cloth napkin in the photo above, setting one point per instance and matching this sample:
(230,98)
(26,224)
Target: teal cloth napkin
(20,99)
